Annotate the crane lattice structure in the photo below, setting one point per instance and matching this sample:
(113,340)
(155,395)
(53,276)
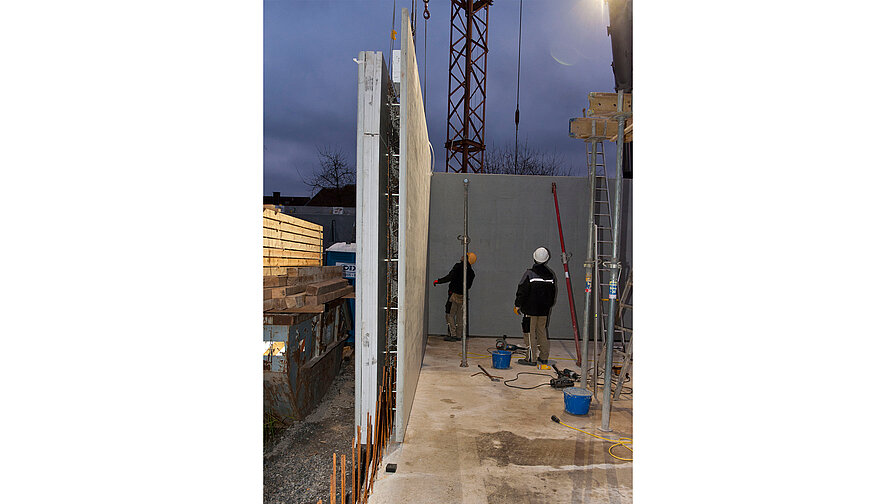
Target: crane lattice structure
(465,146)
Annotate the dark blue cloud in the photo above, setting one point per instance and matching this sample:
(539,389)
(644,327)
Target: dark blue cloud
(310,79)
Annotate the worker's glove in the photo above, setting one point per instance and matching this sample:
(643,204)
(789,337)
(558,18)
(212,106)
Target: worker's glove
(516,310)
(435,282)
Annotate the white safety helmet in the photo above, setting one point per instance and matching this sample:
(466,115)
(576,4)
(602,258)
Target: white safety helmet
(541,255)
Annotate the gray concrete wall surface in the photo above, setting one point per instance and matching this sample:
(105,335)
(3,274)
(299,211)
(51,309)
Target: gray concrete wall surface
(338,222)
(509,217)
(415,170)
(370,280)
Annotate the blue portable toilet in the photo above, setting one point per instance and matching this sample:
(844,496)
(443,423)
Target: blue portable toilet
(343,254)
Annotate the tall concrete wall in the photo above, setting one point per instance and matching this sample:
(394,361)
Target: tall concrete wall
(415,170)
(509,217)
(370,283)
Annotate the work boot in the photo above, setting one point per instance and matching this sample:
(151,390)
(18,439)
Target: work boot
(543,361)
(451,338)
(526,362)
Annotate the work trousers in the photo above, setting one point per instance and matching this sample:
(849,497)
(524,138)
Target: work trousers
(454,315)
(537,338)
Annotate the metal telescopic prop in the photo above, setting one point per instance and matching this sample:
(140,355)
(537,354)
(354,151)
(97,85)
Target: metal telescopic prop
(589,270)
(564,258)
(614,268)
(466,239)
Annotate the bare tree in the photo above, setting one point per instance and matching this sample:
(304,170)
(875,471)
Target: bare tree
(333,172)
(525,161)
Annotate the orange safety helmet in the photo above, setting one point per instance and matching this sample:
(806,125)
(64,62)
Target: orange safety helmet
(471,258)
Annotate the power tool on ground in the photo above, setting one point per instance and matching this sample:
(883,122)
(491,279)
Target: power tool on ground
(502,344)
(565,378)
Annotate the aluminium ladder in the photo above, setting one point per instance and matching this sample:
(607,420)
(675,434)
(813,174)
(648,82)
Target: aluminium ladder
(603,237)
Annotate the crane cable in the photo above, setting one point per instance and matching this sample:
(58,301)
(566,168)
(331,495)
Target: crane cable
(516,135)
(393,33)
(425,26)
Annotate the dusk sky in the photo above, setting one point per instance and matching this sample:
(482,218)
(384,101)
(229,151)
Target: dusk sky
(310,78)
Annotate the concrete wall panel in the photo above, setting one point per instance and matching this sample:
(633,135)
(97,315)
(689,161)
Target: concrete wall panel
(415,170)
(370,286)
(509,217)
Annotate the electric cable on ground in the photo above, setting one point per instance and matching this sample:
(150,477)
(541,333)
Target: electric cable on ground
(622,441)
(527,388)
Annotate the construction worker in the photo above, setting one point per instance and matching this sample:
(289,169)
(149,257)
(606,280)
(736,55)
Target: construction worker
(535,295)
(455,279)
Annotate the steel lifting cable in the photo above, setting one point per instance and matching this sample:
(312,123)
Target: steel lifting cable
(516,119)
(393,33)
(425,26)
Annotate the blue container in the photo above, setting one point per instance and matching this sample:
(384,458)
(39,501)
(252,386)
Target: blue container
(576,400)
(347,261)
(501,359)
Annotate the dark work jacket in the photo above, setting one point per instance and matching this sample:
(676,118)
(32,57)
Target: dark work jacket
(455,278)
(536,292)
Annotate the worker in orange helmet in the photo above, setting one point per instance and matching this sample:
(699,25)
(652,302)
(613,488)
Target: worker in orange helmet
(455,280)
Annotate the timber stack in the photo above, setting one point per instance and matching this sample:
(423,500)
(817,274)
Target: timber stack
(306,290)
(295,280)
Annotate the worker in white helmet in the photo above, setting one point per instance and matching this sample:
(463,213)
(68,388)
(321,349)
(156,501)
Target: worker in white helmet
(455,280)
(535,295)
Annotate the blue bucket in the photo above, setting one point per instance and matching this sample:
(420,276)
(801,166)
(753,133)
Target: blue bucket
(576,400)
(501,359)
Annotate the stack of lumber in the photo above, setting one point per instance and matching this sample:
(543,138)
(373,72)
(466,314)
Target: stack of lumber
(290,242)
(600,121)
(304,289)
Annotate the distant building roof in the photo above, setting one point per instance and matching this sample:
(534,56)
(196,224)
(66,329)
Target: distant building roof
(276,199)
(332,197)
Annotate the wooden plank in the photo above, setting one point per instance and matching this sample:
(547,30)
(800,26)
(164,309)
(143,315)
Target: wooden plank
(291,245)
(284,303)
(289,219)
(330,296)
(287,222)
(274,271)
(299,254)
(302,309)
(318,288)
(299,271)
(592,127)
(280,216)
(604,104)
(289,236)
(274,292)
(628,133)
(275,281)
(286,262)
(313,274)
(285,227)
(292,290)
(296,301)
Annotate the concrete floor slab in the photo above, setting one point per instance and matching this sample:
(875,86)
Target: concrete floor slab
(471,440)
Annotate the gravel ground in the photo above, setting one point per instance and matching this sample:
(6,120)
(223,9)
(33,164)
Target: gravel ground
(298,460)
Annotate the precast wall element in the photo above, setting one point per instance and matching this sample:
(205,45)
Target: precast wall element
(393,178)
(370,285)
(509,217)
(415,171)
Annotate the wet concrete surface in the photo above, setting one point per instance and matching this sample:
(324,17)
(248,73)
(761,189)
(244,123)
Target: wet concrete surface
(471,440)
